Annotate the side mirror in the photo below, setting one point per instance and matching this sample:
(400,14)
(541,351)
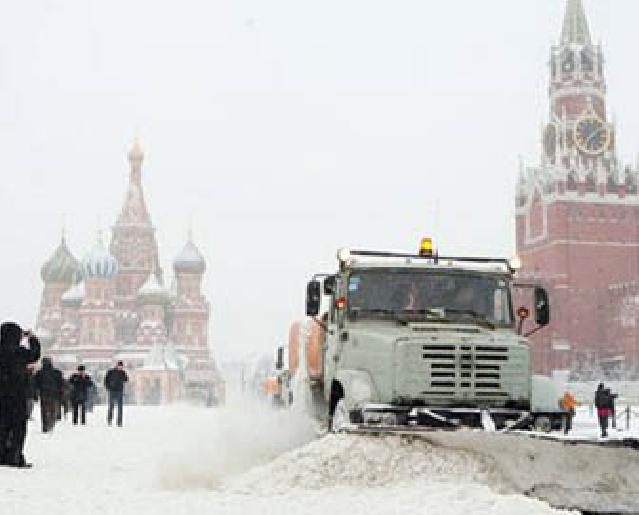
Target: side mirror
(542,307)
(279,363)
(313,298)
(329,285)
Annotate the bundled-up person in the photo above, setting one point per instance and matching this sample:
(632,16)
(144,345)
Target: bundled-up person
(611,407)
(569,404)
(81,386)
(49,388)
(114,383)
(14,391)
(603,403)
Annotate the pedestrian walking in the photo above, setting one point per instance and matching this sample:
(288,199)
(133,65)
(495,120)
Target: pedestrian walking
(568,404)
(603,403)
(49,389)
(81,385)
(64,401)
(114,383)
(611,407)
(14,391)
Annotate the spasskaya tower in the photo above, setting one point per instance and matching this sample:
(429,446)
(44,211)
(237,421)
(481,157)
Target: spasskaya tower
(577,214)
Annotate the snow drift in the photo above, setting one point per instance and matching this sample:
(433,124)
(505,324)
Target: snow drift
(229,441)
(577,477)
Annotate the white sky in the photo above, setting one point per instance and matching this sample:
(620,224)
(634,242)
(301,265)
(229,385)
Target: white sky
(285,128)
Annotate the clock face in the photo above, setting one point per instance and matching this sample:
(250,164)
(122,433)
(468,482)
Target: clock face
(591,135)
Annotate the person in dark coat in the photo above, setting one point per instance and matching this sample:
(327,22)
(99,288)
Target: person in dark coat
(114,383)
(14,391)
(611,407)
(49,388)
(31,395)
(603,403)
(81,385)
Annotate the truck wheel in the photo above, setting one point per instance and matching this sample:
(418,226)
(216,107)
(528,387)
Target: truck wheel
(340,417)
(543,424)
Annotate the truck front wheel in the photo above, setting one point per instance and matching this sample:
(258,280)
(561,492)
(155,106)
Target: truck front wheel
(337,413)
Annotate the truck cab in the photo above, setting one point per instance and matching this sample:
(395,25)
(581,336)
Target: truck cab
(423,340)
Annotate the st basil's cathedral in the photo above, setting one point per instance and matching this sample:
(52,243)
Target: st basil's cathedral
(115,305)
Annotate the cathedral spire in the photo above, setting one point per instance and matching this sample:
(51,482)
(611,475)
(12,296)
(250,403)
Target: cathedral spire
(575,30)
(134,210)
(136,156)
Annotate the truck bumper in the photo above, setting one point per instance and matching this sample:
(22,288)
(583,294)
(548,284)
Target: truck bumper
(440,417)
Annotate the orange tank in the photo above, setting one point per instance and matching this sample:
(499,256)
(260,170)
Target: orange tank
(313,343)
(271,386)
(293,347)
(314,353)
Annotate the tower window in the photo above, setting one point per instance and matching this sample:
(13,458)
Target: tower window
(587,61)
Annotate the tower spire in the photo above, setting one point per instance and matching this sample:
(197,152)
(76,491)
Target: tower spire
(575,30)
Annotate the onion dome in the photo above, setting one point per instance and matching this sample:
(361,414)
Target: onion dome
(189,260)
(152,292)
(99,262)
(74,295)
(62,266)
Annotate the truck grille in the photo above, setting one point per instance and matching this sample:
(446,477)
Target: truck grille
(464,367)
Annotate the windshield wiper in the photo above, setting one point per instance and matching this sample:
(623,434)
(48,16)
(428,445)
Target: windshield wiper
(478,317)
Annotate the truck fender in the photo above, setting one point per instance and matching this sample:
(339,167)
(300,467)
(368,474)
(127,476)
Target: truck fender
(357,386)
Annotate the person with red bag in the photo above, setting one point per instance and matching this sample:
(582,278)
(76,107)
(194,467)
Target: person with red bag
(603,403)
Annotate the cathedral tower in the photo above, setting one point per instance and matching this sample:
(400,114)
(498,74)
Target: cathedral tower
(577,211)
(133,242)
(58,274)
(96,313)
(190,315)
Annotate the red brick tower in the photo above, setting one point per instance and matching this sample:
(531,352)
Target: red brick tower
(134,246)
(577,212)
(190,313)
(58,273)
(96,313)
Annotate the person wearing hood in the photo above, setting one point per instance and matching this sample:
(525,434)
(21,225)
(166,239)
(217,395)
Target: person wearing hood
(49,388)
(602,403)
(14,391)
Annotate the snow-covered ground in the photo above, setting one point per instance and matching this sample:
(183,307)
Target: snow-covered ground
(247,459)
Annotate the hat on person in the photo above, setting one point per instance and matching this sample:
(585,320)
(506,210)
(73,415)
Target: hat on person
(10,334)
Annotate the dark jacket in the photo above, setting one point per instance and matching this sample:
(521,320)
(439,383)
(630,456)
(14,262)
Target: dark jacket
(48,381)
(610,399)
(81,384)
(602,398)
(115,379)
(14,376)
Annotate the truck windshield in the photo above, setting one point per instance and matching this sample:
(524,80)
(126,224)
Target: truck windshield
(430,295)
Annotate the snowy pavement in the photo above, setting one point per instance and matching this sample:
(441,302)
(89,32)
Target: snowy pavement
(182,459)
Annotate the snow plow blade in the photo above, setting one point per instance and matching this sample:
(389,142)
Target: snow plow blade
(422,432)
(403,417)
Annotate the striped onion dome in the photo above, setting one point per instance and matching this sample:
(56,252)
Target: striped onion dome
(61,267)
(99,262)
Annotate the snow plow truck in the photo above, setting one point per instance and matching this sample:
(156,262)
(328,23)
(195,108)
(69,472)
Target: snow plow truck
(410,341)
